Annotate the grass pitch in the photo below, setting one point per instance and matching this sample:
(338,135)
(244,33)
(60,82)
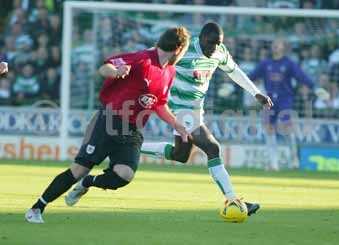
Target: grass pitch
(172,205)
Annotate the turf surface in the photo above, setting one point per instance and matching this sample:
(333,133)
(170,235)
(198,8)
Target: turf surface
(172,205)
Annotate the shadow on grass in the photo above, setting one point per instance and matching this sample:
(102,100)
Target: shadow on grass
(134,226)
(182,168)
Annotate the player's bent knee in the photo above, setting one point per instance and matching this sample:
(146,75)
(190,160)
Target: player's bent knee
(112,181)
(213,150)
(181,155)
(78,171)
(183,158)
(124,171)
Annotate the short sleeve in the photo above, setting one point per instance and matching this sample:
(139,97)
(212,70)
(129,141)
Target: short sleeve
(226,63)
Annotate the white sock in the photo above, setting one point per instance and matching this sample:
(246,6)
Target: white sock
(160,150)
(294,150)
(273,151)
(221,177)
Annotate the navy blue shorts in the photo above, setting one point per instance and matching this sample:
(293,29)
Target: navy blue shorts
(281,112)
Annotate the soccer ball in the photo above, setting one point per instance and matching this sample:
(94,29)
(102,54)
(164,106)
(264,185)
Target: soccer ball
(234,213)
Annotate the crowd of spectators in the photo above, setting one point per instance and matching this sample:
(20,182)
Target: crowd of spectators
(31,41)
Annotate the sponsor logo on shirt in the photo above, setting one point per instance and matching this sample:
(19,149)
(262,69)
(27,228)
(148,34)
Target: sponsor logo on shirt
(147,81)
(202,75)
(276,77)
(147,100)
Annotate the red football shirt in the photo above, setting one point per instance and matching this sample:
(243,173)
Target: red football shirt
(146,87)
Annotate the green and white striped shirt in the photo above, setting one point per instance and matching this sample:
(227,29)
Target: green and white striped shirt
(193,75)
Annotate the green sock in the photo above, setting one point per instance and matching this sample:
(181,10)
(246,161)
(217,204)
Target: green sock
(156,149)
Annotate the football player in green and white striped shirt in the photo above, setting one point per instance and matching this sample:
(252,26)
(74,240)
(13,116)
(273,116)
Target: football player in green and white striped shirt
(206,53)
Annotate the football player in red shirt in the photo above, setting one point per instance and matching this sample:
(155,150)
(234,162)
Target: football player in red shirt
(136,84)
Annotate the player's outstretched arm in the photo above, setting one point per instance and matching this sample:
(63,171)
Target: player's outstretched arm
(3,67)
(164,112)
(111,71)
(239,77)
(303,78)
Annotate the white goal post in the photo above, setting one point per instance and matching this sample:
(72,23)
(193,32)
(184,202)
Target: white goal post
(91,6)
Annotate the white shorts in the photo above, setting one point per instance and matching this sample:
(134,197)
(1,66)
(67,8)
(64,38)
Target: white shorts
(191,119)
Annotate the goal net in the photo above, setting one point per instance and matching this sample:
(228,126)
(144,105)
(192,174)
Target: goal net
(95,30)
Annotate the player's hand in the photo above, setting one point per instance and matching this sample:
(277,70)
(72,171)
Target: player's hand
(322,93)
(182,131)
(3,67)
(123,71)
(264,100)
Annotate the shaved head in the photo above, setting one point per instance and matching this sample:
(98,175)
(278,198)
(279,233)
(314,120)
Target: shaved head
(278,48)
(210,37)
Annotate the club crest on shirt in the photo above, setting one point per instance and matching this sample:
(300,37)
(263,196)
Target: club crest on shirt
(90,149)
(147,100)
